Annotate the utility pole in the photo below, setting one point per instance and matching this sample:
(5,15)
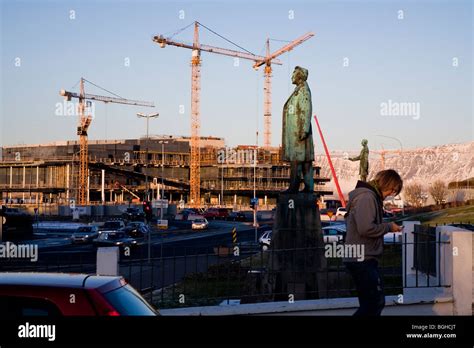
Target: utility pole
(162,142)
(222,185)
(255,223)
(146,148)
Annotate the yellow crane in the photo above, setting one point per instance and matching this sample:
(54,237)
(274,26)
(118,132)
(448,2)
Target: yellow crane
(382,154)
(82,128)
(197,47)
(267,92)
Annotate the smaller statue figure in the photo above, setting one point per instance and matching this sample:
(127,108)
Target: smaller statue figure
(364,161)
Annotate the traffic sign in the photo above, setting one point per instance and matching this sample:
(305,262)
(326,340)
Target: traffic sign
(160,203)
(162,224)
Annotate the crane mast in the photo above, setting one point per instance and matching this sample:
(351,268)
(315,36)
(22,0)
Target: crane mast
(195,174)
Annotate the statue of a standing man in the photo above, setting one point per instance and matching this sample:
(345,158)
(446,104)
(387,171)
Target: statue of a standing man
(364,161)
(297,136)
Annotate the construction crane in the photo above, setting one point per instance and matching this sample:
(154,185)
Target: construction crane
(382,154)
(82,128)
(197,47)
(267,92)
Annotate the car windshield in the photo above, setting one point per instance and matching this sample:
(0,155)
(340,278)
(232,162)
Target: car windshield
(84,229)
(199,220)
(127,301)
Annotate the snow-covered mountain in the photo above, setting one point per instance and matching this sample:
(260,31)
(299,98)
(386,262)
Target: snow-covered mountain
(450,162)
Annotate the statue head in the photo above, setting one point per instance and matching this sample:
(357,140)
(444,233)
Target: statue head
(299,75)
(364,142)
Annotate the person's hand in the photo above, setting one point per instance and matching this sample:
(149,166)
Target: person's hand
(395,228)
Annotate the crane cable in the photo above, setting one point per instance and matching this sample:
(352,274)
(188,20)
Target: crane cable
(222,37)
(104,89)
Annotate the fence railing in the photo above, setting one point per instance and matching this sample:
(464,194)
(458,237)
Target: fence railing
(197,276)
(206,274)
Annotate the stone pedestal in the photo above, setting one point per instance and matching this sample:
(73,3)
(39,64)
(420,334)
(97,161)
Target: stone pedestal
(297,264)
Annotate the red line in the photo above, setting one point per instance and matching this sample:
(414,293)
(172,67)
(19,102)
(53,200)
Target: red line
(339,192)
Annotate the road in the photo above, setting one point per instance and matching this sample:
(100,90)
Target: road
(57,254)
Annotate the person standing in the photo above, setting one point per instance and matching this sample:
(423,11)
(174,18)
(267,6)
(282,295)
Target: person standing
(365,227)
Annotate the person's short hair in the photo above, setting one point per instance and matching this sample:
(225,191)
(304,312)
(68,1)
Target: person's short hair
(389,180)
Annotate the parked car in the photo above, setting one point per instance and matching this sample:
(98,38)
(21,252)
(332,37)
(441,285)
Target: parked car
(334,233)
(114,238)
(134,214)
(265,239)
(200,224)
(85,234)
(48,294)
(341,212)
(112,225)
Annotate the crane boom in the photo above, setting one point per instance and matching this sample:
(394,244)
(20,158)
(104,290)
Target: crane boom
(159,39)
(286,48)
(105,99)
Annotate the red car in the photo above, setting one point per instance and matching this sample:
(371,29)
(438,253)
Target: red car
(62,294)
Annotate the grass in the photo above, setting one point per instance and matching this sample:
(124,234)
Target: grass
(464,214)
(230,280)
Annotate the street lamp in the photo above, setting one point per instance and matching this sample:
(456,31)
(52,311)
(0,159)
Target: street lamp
(255,223)
(146,146)
(162,142)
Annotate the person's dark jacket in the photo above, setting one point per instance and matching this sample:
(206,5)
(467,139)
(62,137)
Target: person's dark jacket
(364,220)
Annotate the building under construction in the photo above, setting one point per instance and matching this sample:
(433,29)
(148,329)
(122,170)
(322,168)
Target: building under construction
(121,170)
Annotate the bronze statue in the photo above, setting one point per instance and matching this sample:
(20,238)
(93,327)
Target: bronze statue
(364,161)
(297,136)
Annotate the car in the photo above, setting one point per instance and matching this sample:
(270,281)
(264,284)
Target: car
(112,225)
(85,234)
(265,240)
(334,233)
(216,213)
(134,214)
(114,238)
(341,212)
(200,224)
(392,238)
(136,229)
(236,216)
(26,294)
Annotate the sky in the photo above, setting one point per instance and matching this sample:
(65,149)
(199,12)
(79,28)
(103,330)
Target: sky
(393,72)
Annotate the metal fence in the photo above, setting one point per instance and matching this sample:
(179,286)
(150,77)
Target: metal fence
(184,277)
(212,275)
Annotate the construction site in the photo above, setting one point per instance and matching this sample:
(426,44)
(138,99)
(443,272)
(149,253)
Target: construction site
(119,170)
(194,171)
